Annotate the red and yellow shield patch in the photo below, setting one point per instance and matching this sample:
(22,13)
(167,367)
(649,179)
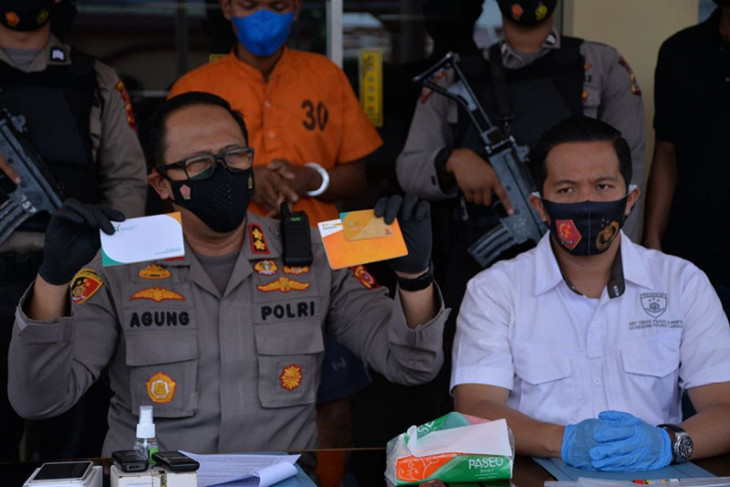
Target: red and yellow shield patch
(85,284)
(568,233)
(291,377)
(157,294)
(161,388)
(365,278)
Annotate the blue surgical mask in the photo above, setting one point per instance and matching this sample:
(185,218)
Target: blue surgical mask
(264,31)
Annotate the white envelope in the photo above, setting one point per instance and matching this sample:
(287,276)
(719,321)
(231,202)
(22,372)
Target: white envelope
(141,239)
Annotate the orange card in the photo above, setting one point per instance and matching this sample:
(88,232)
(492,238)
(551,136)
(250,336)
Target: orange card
(342,252)
(360,225)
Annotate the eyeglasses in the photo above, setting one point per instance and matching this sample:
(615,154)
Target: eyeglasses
(234,159)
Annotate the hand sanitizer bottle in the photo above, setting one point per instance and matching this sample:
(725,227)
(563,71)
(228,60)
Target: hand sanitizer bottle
(146,441)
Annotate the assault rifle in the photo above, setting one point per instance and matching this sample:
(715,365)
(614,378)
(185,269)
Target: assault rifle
(37,190)
(507,158)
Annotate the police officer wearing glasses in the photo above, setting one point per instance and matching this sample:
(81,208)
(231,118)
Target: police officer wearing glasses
(227,342)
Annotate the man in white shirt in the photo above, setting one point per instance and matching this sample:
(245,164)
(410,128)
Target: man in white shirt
(592,331)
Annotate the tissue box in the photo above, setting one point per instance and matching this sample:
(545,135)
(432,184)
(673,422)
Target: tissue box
(453,448)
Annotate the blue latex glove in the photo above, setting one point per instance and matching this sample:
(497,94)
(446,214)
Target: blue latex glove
(626,443)
(577,443)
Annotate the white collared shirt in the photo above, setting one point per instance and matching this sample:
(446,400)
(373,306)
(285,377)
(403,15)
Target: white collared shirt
(566,357)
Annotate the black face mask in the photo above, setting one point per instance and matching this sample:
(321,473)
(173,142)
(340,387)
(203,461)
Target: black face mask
(220,201)
(25,15)
(588,227)
(527,12)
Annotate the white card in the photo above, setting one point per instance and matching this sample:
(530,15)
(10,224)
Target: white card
(141,239)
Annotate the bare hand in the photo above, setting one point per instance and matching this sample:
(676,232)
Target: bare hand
(272,190)
(301,179)
(476,179)
(9,171)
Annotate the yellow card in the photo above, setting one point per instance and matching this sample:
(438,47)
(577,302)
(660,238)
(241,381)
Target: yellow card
(361,225)
(342,252)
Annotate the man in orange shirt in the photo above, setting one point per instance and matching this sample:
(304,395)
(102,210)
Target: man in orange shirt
(309,133)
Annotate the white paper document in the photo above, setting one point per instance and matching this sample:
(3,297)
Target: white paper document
(244,470)
(141,239)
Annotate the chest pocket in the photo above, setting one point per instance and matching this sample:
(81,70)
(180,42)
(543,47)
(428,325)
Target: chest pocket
(544,383)
(289,357)
(163,366)
(651,365)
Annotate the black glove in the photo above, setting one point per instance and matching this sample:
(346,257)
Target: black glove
(414,218)
(72,238)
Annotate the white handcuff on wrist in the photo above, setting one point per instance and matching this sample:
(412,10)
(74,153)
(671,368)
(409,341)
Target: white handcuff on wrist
(325,179)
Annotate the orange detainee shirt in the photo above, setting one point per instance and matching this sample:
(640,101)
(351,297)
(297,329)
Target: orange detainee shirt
(306,112)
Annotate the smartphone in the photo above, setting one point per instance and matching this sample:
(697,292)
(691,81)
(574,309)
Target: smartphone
(130,460)
(62,471)
(175,461)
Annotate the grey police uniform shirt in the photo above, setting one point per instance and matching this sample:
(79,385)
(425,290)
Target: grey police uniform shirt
(225,373)
(114,143)
(610,93)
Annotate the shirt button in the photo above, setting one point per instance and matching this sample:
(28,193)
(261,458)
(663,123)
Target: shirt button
(272,134)
(597,381)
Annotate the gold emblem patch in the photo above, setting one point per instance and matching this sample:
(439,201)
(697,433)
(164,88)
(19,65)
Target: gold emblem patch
(283,284)
(296,270)
(157,294)
(258,241)
(85,284)
(266,267)
(291,377)
(161,388)
(154,272)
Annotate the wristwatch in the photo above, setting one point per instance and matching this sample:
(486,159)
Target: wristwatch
(682,445)
(325,179)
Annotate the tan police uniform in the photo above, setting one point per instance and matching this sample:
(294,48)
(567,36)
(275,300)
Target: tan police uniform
(610,93)
(229,372)
(114,144)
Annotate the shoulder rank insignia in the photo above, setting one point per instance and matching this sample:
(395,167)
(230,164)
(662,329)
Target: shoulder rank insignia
(85,284)
(161,388)
(365,278)
(257,239)
(283,284)
(157,294)
(291,377)
(296,270)
(154,272)
(266,267)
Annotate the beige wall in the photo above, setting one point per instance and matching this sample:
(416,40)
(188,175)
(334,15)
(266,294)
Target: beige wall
(636,28)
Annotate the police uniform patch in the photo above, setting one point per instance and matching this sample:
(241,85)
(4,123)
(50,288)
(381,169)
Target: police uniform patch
(632,77)
(154,272)
(85,284)
(257,239)
(296,270)
(283,284)
(568,233)
(127,104)
(291,377)
(185,191)
(266,267)
(606,236)
(161,388)
(157,294)
(365,278)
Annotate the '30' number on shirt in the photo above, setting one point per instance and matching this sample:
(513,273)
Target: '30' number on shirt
(315,116)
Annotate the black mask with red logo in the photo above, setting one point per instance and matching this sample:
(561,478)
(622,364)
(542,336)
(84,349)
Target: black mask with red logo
(25,15)
(588,227)
(527,12)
